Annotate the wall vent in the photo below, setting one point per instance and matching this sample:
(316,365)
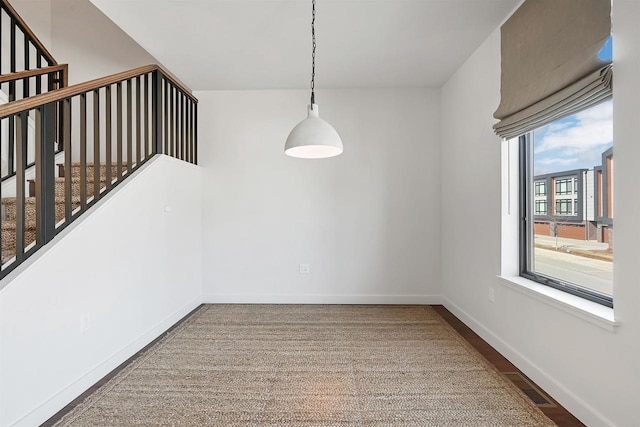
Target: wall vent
(537,396)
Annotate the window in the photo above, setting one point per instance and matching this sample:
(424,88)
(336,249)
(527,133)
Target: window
(563,207)
(541,188)
(563,186)
(566,235)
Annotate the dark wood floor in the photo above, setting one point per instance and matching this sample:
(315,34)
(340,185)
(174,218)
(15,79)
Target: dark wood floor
(554,410)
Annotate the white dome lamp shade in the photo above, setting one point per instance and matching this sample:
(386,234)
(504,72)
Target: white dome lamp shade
(313,138)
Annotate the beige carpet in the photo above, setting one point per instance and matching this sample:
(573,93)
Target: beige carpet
(293,365)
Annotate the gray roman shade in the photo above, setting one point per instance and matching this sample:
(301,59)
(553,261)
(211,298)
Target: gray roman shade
(550,65)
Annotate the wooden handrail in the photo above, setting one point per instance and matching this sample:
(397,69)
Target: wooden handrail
(35,72)
(67,92)
(31,35)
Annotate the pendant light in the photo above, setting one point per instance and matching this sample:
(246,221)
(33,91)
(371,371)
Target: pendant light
(313,138)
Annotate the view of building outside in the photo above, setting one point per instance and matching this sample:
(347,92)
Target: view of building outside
(573,199)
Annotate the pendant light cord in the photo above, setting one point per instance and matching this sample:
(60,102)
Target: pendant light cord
(313,53)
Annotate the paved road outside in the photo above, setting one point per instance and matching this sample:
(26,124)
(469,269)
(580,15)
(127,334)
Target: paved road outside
(591,273)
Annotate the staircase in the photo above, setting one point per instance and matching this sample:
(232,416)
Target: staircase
(9,204)
(103,130)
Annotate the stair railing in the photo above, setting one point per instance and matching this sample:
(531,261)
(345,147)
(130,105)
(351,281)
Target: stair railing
(25,51)
(27,68)
(120,121)
(20,85)
(21,51)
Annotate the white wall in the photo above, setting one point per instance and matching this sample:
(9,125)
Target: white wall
(37,15)
(367,221)
(79,34)
(91,43)
(130,267)
(592,371)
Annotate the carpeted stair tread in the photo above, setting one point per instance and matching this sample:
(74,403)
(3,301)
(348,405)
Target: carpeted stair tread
(76,168)
(74,179)
(30,207)
(75,186)
(32,200)
(9,237)
(11,225)
(10,203)
(90,164)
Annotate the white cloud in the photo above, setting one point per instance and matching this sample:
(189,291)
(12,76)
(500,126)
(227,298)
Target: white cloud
(553,164)
(556,161)
(557,127)
(587,131)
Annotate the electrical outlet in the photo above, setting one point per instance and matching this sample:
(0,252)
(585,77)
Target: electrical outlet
(85,322)
(305,268)
(492,295)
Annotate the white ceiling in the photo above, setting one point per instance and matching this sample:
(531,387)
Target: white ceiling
(266,44)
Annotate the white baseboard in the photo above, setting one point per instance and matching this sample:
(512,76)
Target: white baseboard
(578,407)
(75,389)
(320,299)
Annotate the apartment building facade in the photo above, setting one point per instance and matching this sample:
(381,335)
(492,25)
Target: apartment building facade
(577,203)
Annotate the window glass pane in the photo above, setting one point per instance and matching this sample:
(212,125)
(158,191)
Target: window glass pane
(573,224)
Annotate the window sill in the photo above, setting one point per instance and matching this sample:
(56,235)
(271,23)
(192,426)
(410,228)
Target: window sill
(592,312)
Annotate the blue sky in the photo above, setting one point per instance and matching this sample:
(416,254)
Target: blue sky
(577,141)
(606,53)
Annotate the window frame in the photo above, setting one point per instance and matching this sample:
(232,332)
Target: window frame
(526,191)
(568,185)
(564,207)
(536,211)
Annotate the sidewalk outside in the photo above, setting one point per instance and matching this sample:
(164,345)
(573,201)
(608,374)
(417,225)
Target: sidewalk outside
(585,248)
